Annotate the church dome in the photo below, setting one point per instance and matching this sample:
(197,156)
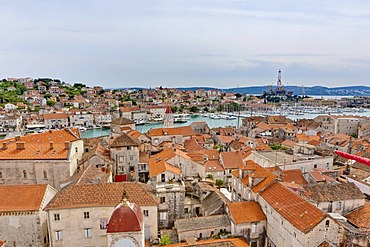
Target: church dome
(126,217)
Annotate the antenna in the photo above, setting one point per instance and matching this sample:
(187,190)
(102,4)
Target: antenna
(279,79)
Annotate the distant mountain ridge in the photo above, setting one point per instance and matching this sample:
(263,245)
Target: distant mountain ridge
(297,90)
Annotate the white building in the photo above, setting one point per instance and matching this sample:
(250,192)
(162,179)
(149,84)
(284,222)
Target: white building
(91,206)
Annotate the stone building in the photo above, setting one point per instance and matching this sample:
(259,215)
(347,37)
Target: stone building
(22,219)
(56,120)
(201,227)
(91,205)
(124,150)
(117,125)
(291,225)
(45,158)
(334,198)
(248,221)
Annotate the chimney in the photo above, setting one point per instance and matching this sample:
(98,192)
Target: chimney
(20,145)
(51,145)
(5,145)
(66,145)
(17,138)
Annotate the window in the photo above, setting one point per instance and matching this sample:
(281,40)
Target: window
(146,213)
(24,174)
(163,178)
(314,166)
(295,234)
(103,224)
(162,215)
(86,215)
(128,148)
(254,227)
(88,233)
(1,174)
(58,235)
(76,149)
(163,199)
(45,174)
(339,205)
(56,217)
(327,223)
(186,210)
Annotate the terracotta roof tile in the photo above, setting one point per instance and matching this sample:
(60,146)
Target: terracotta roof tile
(37,146)
(293,176)
(235,242)
(21,197)
(246,212)
(183,131)
(100,195)
(49,116)
(300,213)
(360,217)
(213,166)
(231,160)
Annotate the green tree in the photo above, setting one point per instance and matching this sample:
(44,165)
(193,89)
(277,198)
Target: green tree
(165,240)
(219,182)
(210,176)
(194,109)
(50,102)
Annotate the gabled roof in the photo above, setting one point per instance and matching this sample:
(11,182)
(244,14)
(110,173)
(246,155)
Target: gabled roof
(360,217)
(16,198)
(332,192)
(38,146)
(293,176)
(122,121)
(213,166)
(231,160)
(123,140)
(300,213)
(157,167)
(246,212)
(102,195)
(183,131)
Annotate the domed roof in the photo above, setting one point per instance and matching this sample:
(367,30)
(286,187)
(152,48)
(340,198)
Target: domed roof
(126,217)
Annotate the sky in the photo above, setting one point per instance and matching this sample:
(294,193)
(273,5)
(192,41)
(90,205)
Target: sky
(185,43)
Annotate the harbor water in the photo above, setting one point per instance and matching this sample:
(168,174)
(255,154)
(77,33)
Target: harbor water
(212,123)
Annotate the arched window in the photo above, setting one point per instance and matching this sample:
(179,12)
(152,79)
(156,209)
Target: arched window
(24,174)
(327,223)
(45,174)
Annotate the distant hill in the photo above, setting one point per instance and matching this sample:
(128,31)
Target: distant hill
(297,90)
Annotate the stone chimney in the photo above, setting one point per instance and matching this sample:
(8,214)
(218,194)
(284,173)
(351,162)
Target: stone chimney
(51,145)
(20,145)
(17,138)
(66,145)
(5,145)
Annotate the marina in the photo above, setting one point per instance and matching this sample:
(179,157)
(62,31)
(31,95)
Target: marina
(235,119)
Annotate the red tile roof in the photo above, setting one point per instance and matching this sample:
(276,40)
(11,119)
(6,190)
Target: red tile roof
(21,197)
(246,212)
(360,217)
(231,160)
(38,146)
(183,131)
(300,213)
(100,195)
(213,166)
(293,176)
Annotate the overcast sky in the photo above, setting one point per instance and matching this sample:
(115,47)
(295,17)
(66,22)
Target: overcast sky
(218,43)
